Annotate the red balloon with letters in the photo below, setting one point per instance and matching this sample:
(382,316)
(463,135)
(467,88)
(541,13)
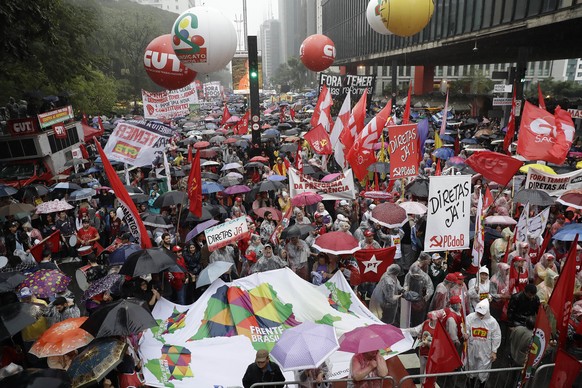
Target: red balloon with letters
(317,52)
(164,67)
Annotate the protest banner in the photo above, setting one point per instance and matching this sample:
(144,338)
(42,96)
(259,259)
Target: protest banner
(226,233)
(449,211)
(340,85)
(137,142)
(340,188)
(404,150)
(555,185)
(56,116)
(168,104)
(212,90)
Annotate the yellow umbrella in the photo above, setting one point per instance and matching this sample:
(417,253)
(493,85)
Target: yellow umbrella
(579,165)
(537,166)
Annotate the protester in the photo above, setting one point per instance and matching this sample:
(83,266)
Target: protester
(263,370)
(367,365)
(523,305)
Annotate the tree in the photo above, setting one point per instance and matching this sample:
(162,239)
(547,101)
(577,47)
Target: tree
(93,93)
(475,83)
(556,89)
(293,73)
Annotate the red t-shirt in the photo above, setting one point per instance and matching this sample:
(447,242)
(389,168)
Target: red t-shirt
(88,234)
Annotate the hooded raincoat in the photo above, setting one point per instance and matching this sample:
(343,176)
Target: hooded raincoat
(484,339)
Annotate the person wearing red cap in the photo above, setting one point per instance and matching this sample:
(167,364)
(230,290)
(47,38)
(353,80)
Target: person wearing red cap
(368,242)
(443,292)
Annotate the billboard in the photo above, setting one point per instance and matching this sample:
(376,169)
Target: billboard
(240,74)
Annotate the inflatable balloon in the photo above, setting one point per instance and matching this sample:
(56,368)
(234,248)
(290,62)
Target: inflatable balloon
(204,40)
(317,52)
(164,67)
(406,17)
(374,18)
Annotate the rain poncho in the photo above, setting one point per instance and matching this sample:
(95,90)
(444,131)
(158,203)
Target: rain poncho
(484,339)
(500,291)
(479,291)
(545,289)
(386,295)
(442,294)
(418,281)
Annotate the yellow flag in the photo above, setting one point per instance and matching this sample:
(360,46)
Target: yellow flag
(438,143)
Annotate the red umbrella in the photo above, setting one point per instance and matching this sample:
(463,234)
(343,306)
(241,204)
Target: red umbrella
(306,198)
(231,140)
(208,153)
(336,243)
(201,144)
(389,215)
(277,215)
(62,338)
(571,198)
(262,159)
(370,338)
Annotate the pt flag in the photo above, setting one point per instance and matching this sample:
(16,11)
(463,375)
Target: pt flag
(539,346)
(195,187)
(373,263)
(404,150)
(52,242)
(319,141)
(566,370)
(510,134)
(442,356)
(494,166)
(322,111)
(130,213)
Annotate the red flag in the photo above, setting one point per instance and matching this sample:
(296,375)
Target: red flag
(101,127)
(541,101)
(298,159)
(538,347)
(442,356)
(510,134)
(488,199)
(319,141)
(52,242)
(84,152)
(322,111)
(195,187)
(282,225)
(406,115)
(355,123)
(292,113)
(282,114)
(565,371)
(494,166)
(189,153)
(457,145)
(374,262)
(545,243)
(561,299)
(543,136)
(437,170)
(225,115)
(242,127)
(130,213)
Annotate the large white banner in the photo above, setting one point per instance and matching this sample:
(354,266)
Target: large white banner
(555,185)
(168,104)
(211,342)
(138,142)
(533,226)
(212,90)
(340,188)
(226,233)
(449,211)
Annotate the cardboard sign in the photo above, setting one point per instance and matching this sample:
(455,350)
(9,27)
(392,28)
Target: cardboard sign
(404,150)
(226,233)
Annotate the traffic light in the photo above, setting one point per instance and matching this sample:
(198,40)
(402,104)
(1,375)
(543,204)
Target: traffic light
(254,74)
(254,91)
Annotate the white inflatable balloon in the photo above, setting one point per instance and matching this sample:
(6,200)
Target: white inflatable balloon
(204,39)
(374,18)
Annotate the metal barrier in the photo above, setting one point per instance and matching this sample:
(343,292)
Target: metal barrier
(504,378)
(542,376)
(332,381)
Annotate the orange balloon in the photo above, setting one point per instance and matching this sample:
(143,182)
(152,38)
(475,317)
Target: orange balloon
(317,52)
(164,67)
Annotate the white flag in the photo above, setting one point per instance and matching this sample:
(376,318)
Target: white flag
(341,122)
(478,242)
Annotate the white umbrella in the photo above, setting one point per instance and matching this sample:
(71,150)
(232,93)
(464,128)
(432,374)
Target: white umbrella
(500,220)
(231,166)
(414,207)
(212,272)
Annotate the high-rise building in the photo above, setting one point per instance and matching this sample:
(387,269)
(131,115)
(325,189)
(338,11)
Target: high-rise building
(298,21)
(272,54)
(175,6)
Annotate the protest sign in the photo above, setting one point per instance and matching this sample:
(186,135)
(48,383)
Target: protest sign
(449,210)
(168,104)
(137,142)
(212,90)
(340,188)
(340,85)
(226,233)
(555,185)
(404,150)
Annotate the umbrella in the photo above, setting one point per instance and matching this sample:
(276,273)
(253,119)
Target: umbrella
(455,161)
(146,261)
(53,206)
(305,346)
(34,190)
(370,338)
(120,255)
(443,153)
(268,186)
(262,159)
(229,181)
(414,207)
(139,198)
(306,198)
(484,133)
(200,228)
(537,166)
(231,140)
(210,175)
(297,230)
(45,283)
(276,178)
(99,286)
(211,187)
(208,153)
(15,317)
(500,220)
(209,163)
(96,361)
(534,197)
(572,198)
(378,195)
(39,378)
(10,280)
(277,215)
(134,189)
(233,174)
(7,191)
(418,187)
(379,167)
(201,144)
(237,189)
(231,166)
(217,139)
(469,140)
(120,318)
(61,338)
(336,243)
(65,186)
(212,272)
(155,221)
(80,195)
(568,232)
(189,217)
(75,162)
(254,165)
(15,208)
(177,173)
(389,215)
(171,198)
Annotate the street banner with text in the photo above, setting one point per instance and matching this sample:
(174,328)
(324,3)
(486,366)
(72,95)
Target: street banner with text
(404,150)
(226,233)
(168,104)
(555,185)
(340,188)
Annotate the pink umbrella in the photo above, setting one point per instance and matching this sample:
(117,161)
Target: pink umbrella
(500,220)
(236,189)
(330,177)
(306,198)
(389,215)
(414,207)
(370,338)
(201,144)
(233,119)
(377,195)
(53,206)
(336,243)
(572,198)
(277,215)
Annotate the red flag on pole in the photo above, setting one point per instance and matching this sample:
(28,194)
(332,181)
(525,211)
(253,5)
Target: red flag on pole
(541,101)
(545,243)
(374,262)
(566,370)
(322,111)
(189,153)
(510,134)
(538,347)
(52,242)
(437,170)
(488,198)
(225,115)
(494,166)
(282,225)
(355,122)
(299,159)
(406,115)
(84,119)
(292,113)
(319,140)
(101,127)
(130,213)
(442,356)
(195,187)
(242,127)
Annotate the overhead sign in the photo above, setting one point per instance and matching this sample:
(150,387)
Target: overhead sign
(449,211)
(340,188)
(22,127)
(502,88)
(576,113)
(404,150)
(168,104)
(55,116)
(502,101)
(555,185)
(226,233)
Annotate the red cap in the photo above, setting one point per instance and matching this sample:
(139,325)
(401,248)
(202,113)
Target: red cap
(252,256)
(518,258)
(368,233)
(456,299)
(451,277)
(176,248)
(459,275)
(238,199)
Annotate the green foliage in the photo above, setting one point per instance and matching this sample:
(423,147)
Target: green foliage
(556,89)
(475,83)
(93,93)
(293,73)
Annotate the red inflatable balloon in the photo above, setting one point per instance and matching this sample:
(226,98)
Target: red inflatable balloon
(164,67)
(317,52)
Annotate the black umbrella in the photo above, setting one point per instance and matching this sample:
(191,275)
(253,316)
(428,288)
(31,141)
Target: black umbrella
(155,221)
(291,132)
(254,165)
(418,187)
(119,318)
(534,197)
(268,186)
(39,378)
(379,167)
(177,173)
(139,198)
(314,171)
(146,261)
(35,190)
(171,198)
(10,280)
(296,230)
(7,191)
(206,215)
(289,147)
(210,175)
(284,126)
(15,317)
(134,189)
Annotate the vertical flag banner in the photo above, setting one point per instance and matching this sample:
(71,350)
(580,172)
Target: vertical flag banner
(322,111)
(449,211)
(406,115)
(195,187)
(404,151)
(479,241)
(442,356)
(445,115)
(355,123)
(341,123)
(539,346)
(510,134)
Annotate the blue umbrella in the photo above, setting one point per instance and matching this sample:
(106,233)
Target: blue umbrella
(277,178)
(200,228)
(568,232)
(447,138)
(211,187)
(118,256)
(272,131)
(92,170)
(443,153)
(7,191)
(82,194)
(469,140)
